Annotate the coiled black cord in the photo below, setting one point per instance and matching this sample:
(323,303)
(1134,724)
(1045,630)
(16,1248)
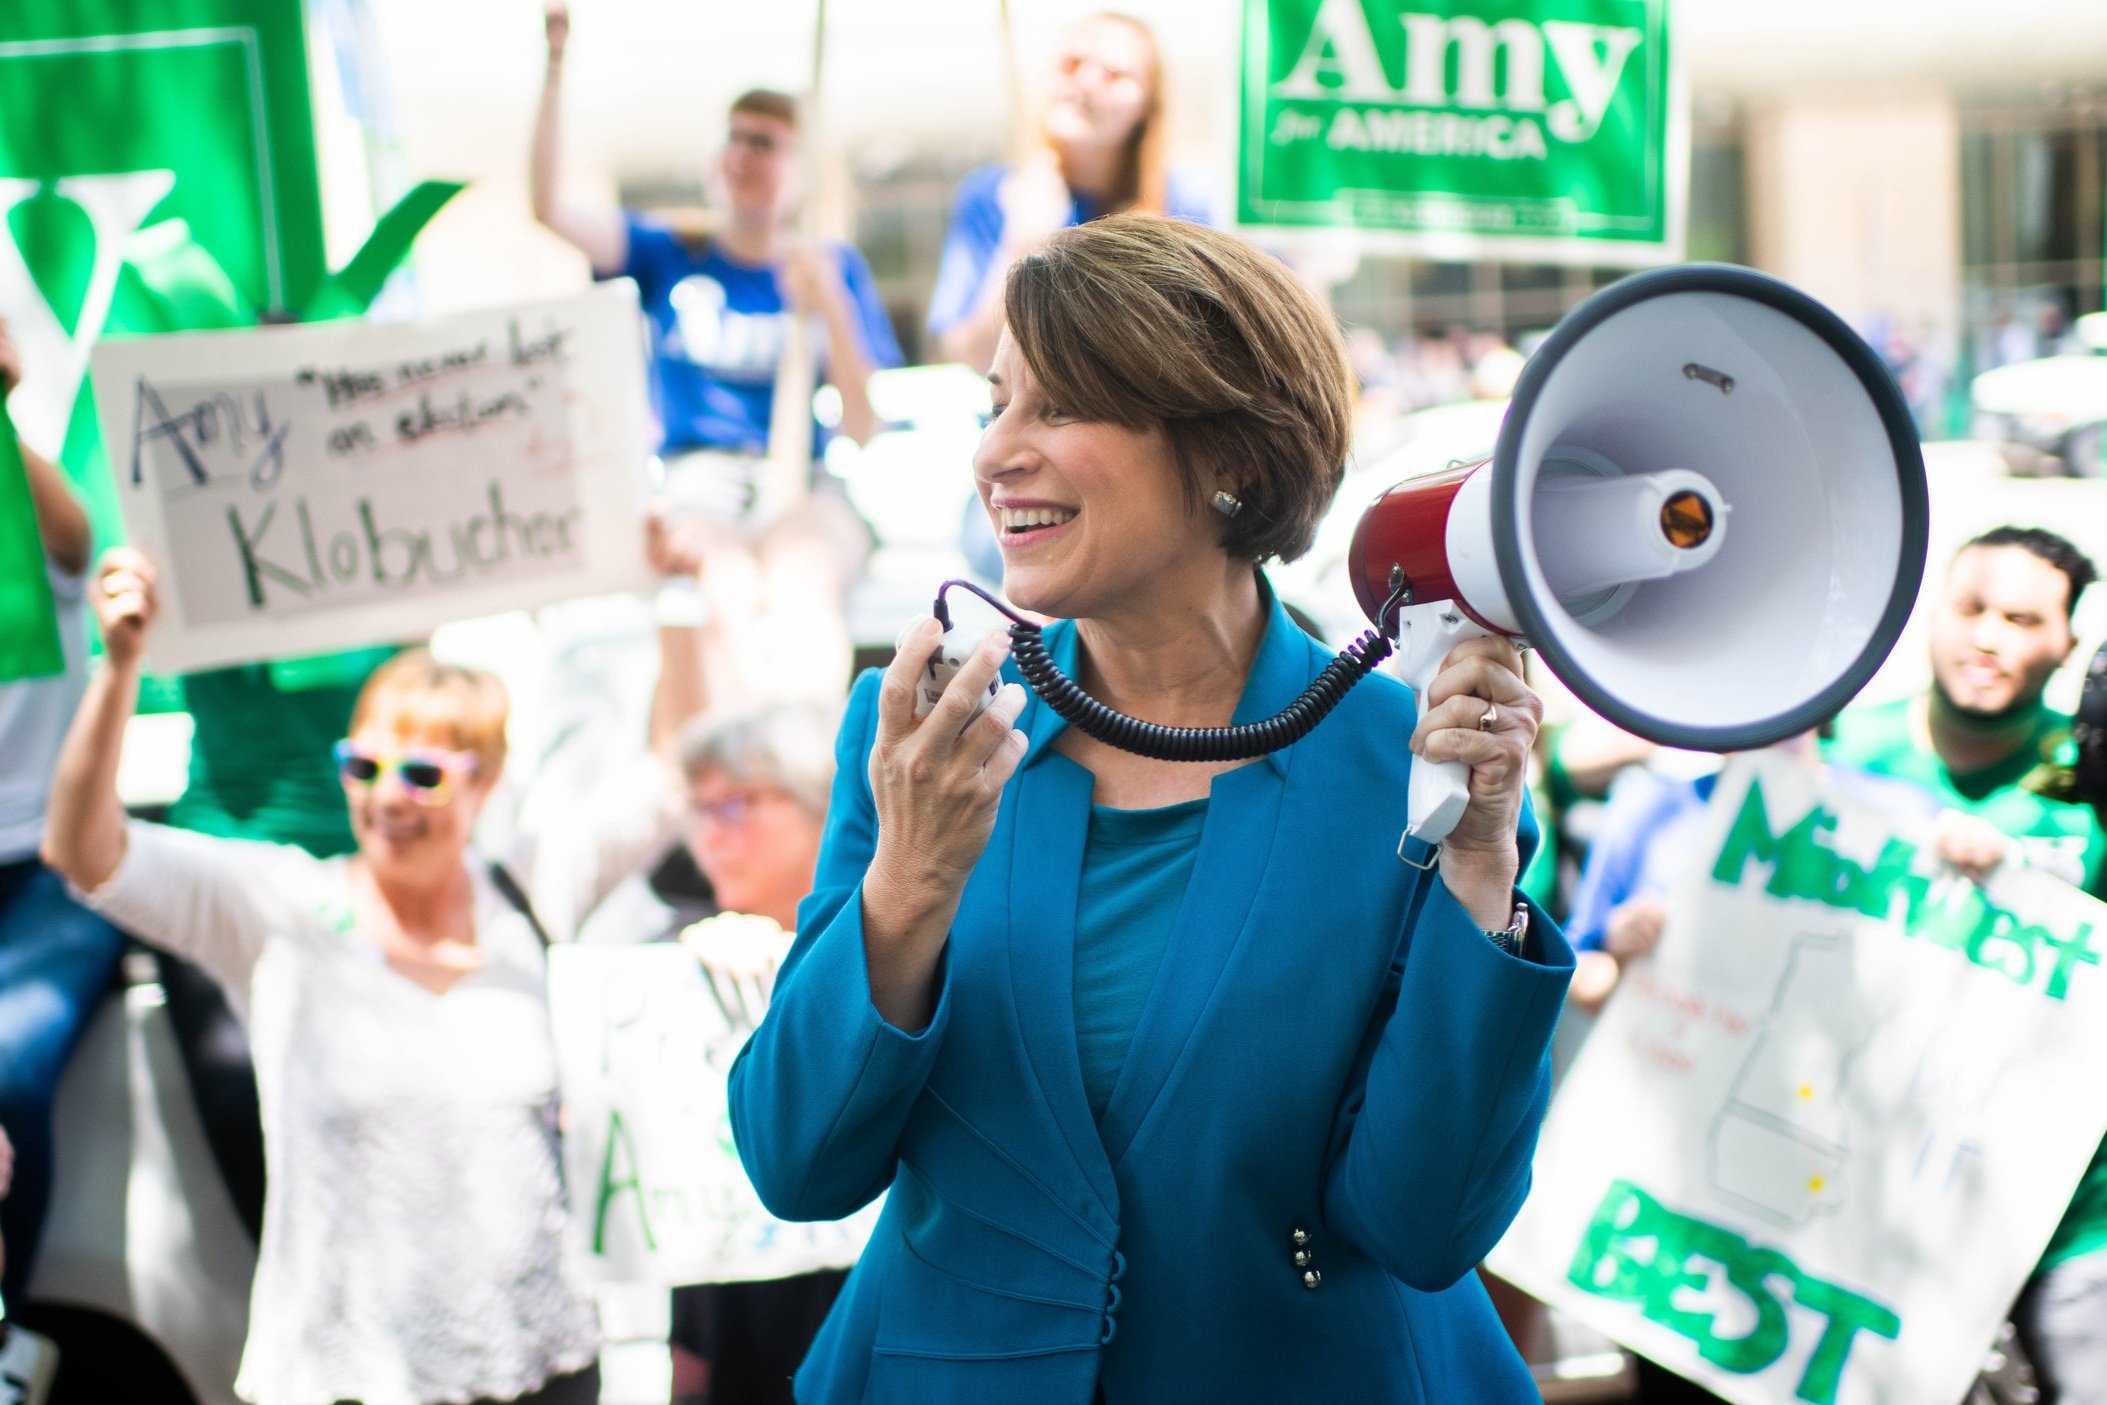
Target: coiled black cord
(1240,743)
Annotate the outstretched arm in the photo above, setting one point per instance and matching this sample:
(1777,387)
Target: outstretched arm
(596,231)
(813,282)
(681,691)
(84,825)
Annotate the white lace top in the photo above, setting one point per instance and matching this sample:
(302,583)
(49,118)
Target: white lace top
(413,1239)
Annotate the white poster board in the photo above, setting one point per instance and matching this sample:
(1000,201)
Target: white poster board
(1819,1139)
(644,1043)
(309,488)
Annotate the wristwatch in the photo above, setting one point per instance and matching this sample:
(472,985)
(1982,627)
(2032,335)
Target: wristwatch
(1510,940)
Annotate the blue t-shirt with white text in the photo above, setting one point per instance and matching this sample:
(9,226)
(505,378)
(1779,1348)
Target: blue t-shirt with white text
(717,332)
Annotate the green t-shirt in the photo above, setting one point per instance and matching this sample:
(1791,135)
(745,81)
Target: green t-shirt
(1889,740)
(260,762)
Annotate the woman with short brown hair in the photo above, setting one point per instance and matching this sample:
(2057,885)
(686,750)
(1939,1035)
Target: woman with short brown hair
(1185,1080)
(1149,321)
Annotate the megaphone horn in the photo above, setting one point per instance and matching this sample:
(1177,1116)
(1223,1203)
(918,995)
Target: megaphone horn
(1706,510)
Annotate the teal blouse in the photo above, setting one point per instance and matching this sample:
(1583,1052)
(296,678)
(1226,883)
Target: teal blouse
(1136,865)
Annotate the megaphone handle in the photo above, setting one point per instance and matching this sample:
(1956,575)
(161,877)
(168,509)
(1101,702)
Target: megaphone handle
(1439,791)
(1436,798)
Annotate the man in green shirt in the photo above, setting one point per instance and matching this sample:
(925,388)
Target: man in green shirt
(2001,627)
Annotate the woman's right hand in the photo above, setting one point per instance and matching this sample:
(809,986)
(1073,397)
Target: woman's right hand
(125,604)
(938,781)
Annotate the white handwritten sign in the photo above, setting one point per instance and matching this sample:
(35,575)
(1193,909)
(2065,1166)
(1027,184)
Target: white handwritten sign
(318,487)
(645,1041)
(1819,1139)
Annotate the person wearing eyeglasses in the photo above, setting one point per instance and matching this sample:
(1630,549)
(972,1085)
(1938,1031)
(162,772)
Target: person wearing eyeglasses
(413,1245)
(719,292)
(756,783)
(717,295)
(1101,146)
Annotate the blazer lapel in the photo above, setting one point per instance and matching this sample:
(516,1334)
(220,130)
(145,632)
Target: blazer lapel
(1050,800)
(1243,813)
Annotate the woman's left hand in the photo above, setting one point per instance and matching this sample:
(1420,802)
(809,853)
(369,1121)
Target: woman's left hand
(1480,712)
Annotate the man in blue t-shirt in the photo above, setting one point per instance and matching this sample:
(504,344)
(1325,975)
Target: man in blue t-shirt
(720,295)
(719,298)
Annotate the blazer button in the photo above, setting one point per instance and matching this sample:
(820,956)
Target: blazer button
(1299,1238)
(1304,1258)
(1312,1278)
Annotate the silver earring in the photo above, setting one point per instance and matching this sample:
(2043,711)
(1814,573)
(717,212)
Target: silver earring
(1226,502)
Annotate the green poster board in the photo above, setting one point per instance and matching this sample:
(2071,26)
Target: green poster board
(1525,130)
(29,633)
(157,173)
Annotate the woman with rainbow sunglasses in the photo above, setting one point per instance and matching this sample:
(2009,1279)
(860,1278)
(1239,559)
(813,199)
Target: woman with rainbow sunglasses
(413,1237)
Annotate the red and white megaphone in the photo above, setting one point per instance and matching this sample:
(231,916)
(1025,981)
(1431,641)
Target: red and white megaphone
(1706,511)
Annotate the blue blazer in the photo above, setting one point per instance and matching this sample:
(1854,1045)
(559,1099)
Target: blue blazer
(1332,1046)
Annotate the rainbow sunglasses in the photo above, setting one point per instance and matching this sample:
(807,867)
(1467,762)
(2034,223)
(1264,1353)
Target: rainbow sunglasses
(426,773)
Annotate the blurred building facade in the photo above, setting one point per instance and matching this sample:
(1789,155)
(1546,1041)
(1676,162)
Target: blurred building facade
(1931,168)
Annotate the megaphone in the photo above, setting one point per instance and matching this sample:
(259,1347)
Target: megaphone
(1705,510)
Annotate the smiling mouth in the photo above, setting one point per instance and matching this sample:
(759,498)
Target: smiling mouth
(1020,524)
(396,831)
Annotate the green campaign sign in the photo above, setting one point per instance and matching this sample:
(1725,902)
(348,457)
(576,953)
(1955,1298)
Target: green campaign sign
(1546,130)
(157,173)
(29,636)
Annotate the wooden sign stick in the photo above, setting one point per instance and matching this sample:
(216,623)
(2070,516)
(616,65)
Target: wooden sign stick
(787,475)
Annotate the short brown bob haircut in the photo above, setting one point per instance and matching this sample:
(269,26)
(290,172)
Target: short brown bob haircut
(767,102)
(1139,320)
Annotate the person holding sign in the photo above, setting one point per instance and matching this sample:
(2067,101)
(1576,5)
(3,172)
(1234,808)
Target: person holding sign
(1102,146)
(1647,838)
(719,301)
(1976,740)
(1187,1082)
(57,959)
(413,1232)
(757,783)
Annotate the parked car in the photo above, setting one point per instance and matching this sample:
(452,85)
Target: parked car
(142,1279)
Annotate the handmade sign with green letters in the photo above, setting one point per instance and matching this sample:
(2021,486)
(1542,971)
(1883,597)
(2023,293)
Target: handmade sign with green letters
(1819,1138)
